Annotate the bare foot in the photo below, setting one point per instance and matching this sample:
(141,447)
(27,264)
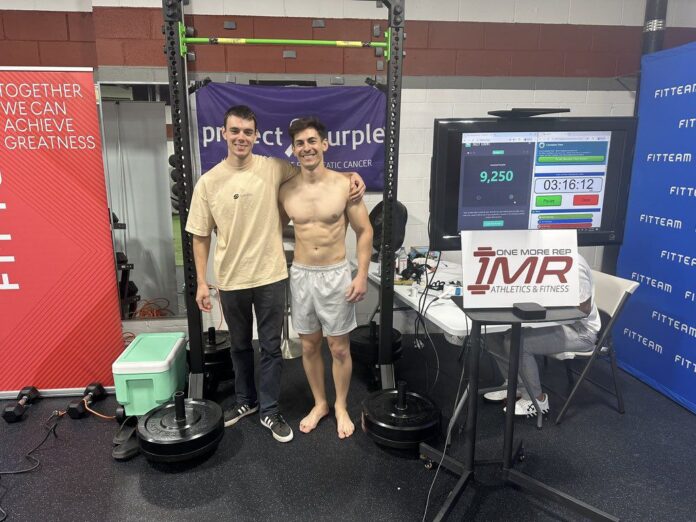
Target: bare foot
(345,425)
(313,417)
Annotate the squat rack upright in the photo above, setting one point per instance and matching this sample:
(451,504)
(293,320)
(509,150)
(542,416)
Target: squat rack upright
(176,47)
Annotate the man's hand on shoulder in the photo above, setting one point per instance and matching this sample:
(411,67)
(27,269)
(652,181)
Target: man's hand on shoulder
(357,289)
(357,187)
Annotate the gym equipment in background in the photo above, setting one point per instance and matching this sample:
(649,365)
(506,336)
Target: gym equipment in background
(180,430)
(400,419)
(127,289)
(15,412)
(95,392)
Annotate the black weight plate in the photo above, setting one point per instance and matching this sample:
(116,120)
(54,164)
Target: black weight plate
(222,343)
(361,335)
(384,422)
(363,347)
(219,356)
(162,439)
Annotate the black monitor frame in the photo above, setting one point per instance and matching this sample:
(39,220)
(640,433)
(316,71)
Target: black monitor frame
(446,163)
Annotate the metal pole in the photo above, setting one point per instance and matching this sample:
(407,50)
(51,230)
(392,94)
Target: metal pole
(653,35)
(178,93)
(654,26)
(394,53)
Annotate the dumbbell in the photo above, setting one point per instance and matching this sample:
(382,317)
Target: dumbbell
(93,393)
(15,412)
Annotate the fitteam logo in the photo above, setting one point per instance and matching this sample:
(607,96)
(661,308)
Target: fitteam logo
(529,276)
(661,221)
(641,339)
(669,157)
(5,277)
(675,90)
(678,325)
(651,281)
(685,363)
(682,191)
(678,258)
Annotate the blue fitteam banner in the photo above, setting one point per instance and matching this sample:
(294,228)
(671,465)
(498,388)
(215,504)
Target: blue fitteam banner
(656,335)
(354,117)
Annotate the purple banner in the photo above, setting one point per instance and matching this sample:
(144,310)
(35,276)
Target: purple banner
(354,118)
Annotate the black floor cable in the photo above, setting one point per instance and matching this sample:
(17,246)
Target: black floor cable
(448,436)
(51,429)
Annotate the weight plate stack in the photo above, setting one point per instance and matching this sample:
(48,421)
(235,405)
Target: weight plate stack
(364,344)
(400,419)
(165,434)
(217,360)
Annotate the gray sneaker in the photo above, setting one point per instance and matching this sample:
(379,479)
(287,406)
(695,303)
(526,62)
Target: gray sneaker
(282,432)
(238,412)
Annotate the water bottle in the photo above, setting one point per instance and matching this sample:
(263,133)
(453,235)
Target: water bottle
(401,260)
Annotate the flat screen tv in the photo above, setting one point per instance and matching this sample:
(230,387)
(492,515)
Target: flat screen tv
(530,173)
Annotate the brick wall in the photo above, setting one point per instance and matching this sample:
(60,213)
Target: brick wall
(113,36)
(47,39)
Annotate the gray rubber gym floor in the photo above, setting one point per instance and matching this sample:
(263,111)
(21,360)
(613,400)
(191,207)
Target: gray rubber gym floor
(637,466)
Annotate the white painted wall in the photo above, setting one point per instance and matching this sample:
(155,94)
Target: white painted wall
(680,13)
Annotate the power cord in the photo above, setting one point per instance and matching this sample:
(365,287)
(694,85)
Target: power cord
(56,416)
(423,306)
(96,414)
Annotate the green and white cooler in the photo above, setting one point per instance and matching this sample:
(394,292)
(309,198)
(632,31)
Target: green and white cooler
(149,371)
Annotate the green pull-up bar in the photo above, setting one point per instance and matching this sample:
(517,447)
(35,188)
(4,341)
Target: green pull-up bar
(277,41)
(272,41)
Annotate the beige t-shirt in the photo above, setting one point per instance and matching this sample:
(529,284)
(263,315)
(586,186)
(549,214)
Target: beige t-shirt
(242,203)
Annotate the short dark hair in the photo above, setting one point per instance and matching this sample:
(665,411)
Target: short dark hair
(310,122)
(240,111)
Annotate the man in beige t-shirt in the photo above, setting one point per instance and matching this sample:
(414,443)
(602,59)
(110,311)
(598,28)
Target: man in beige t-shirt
(323,292)
(238,200)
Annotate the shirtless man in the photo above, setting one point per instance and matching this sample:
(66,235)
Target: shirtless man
(323,294)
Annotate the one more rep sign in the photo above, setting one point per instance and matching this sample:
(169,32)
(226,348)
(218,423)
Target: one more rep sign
(501,268)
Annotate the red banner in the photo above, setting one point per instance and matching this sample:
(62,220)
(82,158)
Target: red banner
(59,319)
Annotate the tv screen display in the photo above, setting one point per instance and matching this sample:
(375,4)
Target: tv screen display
(546,173)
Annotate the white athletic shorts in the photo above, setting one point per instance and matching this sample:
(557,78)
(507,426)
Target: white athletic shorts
(319,299)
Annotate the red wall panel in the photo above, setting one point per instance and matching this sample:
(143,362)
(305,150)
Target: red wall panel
(61,325)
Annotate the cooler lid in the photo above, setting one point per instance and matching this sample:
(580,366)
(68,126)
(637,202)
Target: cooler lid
(150,353)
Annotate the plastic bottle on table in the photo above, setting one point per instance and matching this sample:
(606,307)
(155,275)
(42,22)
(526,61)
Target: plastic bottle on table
(401,260)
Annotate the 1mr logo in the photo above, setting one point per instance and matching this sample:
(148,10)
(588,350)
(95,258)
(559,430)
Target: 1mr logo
(535,268)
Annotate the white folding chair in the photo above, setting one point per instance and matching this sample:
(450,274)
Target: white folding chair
(611,294)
